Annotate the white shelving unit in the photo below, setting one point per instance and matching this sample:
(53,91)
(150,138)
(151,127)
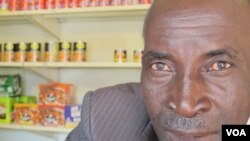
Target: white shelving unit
(50,20)
(35,128)
(71,64)
(103,28)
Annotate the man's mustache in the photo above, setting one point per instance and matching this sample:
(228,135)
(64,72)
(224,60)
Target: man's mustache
(180,122)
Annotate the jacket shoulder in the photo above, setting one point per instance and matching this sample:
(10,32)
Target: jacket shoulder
(118,113)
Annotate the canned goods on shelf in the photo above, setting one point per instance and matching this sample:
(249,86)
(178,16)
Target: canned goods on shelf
(8,53)
(32,4)
(39,4)
(50,52)
(4,5)
(64,52)
(73,3)
(120,55)
(34,53)
(138,55)
(57,4)
(14,5)
(51,4)
(104,2)
(62,4)
(20,52)
(84,3)
(79,51)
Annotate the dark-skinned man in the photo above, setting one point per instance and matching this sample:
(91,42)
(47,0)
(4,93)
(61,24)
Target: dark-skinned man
(195,77)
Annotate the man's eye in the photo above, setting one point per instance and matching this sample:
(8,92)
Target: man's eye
(160,67)
(220,66)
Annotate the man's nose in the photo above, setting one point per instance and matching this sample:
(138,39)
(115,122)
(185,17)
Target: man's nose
(189,98)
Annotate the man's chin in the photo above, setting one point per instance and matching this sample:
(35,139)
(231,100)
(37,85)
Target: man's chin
(176,135)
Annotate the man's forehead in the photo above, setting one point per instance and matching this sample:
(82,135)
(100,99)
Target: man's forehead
(189,18)
(189,13)
(193,18)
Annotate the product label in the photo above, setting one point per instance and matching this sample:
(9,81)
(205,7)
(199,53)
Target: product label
(2,111)
(4,4)
(120,56)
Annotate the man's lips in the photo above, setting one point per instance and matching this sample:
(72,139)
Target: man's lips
(189,135)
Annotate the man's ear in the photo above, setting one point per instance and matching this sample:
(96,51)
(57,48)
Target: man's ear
(248,122)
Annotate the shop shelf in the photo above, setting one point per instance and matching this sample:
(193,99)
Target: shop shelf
(35,128)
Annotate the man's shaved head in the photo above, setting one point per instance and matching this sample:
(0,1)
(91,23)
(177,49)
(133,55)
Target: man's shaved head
(196,64)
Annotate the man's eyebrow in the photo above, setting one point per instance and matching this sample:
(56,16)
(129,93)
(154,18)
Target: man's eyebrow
(156,55)
(228,52)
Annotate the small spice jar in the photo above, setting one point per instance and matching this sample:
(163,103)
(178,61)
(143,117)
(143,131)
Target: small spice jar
(20,52)
(79,51)
(34,53)
(138,55)
(64,52)
(50,52)
(120,55)
(8,52)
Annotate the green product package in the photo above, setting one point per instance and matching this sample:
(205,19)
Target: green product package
(10,85)
(27,99)
(6,109)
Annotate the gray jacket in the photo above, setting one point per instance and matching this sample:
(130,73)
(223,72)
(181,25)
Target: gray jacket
(114,113)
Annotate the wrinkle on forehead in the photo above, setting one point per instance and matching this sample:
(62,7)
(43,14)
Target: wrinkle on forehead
(188,24)
(192,19)
(185,15)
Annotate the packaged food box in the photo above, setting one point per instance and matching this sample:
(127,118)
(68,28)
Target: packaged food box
(10,85)
(72,114)
(26,114)
(6,109)
(4,5)
(52,116)
(27,99)
(56,94)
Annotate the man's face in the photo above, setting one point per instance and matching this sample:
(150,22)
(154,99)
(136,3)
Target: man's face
(195,74)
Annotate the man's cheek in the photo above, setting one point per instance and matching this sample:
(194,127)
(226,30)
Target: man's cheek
(154,104)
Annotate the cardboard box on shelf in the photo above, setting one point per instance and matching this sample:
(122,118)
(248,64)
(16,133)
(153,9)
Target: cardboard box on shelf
(27,99)
(56,94)
(10,85)
(72,115)
(52,116)
(26,114)
(6,109)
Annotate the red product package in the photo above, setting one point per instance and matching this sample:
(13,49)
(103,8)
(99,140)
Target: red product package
(62,4)
(93,3)
(84,3)
(55,94)
(73,3)
(51,4)
(104,2)
(4,5)
(146,1)
(27,4)
(52,116)
(15,5)
(130,2)
(116,2)
(39,4)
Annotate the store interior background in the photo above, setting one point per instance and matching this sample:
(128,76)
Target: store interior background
(103,34)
